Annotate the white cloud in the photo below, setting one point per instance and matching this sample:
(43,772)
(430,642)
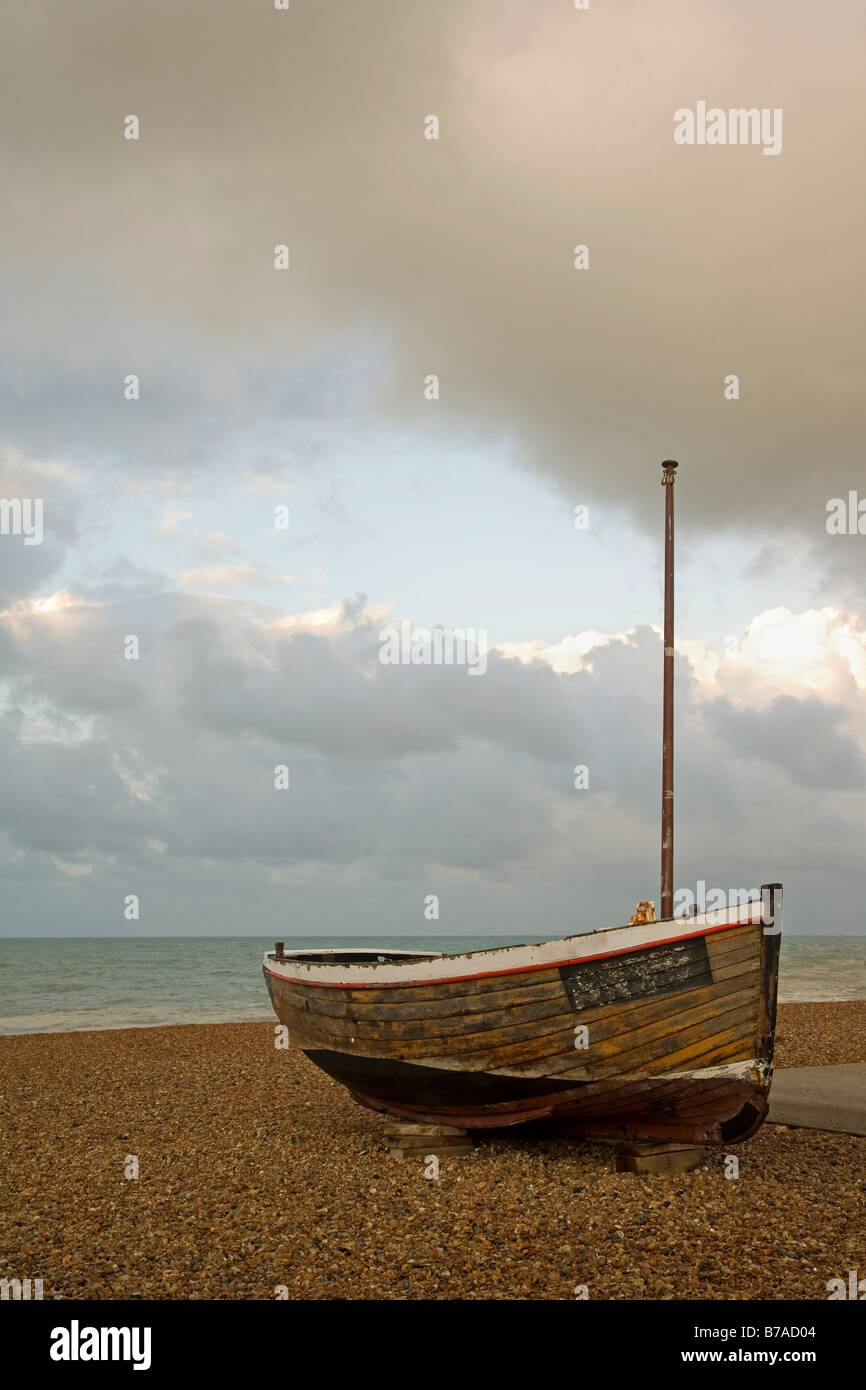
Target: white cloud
(568,655)
(215,545)
(264,480)
(73,868)
(782,653)
(171,523)
(233,577)
(333,617)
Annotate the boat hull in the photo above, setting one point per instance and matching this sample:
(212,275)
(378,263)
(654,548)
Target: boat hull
(662,1033)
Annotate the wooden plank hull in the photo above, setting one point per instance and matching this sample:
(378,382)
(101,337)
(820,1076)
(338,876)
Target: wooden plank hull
(658,1032)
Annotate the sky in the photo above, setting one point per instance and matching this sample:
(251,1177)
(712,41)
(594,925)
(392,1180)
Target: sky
(283,484)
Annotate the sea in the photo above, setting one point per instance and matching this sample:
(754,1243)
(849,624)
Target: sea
(64,984)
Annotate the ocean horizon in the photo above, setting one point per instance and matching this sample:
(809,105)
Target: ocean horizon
(70,984)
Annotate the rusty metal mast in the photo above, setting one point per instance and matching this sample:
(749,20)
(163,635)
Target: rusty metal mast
(667,885)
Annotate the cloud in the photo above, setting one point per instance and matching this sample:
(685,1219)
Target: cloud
(570,654)
(157,775)
(781,651)
(785,652)
(232,576)
(554,130)
(260,480)
(171,524)
(216,545)
(801,737)
(24,569)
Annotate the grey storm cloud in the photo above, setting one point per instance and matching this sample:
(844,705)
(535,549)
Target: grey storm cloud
(181,747)
(157,776)
(453,257)
(801,736)
(66,798)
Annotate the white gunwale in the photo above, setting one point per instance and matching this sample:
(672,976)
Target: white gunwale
(504,960)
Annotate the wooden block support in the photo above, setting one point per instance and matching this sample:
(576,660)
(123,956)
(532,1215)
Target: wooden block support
(659,1158)
(408,1141)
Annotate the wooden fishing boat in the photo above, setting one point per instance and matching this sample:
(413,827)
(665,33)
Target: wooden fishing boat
(658,1032)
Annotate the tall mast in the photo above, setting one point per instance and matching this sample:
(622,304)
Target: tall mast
(669,468)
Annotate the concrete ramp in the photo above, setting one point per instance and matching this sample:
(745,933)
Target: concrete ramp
(820,1098)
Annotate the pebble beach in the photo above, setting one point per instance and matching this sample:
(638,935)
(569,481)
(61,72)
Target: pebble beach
(259,1178)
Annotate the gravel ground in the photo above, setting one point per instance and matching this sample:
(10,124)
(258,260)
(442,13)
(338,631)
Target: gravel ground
(256,1171)
(815,1035)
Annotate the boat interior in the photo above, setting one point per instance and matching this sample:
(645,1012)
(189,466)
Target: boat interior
(348,956)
